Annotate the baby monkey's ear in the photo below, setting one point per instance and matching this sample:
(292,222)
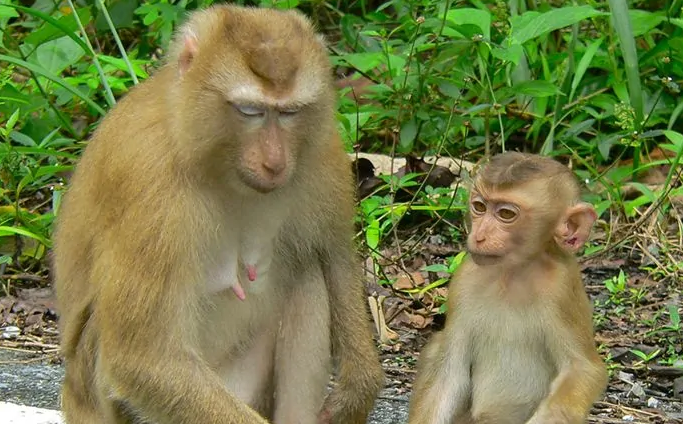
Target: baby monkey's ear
(575,227)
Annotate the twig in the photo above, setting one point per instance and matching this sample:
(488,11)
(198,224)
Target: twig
(27,277)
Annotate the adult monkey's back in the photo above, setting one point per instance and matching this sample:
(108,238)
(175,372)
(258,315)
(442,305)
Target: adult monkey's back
(204,262)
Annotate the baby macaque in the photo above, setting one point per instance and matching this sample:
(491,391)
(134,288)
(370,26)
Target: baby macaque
(518,345)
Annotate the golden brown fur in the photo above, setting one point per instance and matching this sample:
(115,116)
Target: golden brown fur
(518,343)
(181,189)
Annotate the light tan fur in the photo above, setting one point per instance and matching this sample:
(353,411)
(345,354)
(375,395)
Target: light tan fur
(185,190)
(518,342)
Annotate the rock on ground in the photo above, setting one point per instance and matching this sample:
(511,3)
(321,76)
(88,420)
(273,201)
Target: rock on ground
(19,414)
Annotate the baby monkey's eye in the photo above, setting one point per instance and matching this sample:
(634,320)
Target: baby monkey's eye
(507,214)
(478,206)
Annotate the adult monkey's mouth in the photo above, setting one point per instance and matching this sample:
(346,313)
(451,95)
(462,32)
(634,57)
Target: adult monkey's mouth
(485,259)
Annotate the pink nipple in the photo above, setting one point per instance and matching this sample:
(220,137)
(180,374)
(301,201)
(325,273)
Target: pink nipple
(239,291)
(251,272)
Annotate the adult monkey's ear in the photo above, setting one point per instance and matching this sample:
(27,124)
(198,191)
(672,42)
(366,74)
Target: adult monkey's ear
(575,227)
(189,51)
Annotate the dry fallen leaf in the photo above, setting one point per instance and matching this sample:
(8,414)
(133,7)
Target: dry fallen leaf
(407,281)
(386,334)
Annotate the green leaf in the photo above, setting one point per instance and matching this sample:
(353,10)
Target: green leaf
(56,201)
(457,261)
(365,62)
(512,53)
(372,233)
(40,172)
(583,65)
(439,282)
(348,24)
(467,16)
(65,29)
(46,152)
(7,12)
(397,65)
(151,14)
(675,115)
(639,354)
(57,55)
(643,21)
(44,73)
(20,231)
(121,12)
(121,65)
(674,316)
(447,88)
(536,89)
(51,170)
(9,125)
(675,137)
(621,91)
(649,196)
(355,122)
(435,268)
(59,27)
(48,140)
(533,24)
(408,134)
(22,139)
(280,4)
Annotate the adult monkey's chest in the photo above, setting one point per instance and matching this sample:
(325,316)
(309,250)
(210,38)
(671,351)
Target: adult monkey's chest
(226,318)
(242,267)
(244,251)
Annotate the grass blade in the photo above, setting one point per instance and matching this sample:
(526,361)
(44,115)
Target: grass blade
(57,80)
(107,90)
(561,99)
(21,231)
(674,115)
(115,34)
(85,45)
(622,26)
(677,139)
(55,23)
(583,65)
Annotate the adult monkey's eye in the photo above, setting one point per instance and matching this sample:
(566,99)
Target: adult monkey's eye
(507,214)
(248,110)
(290,111)
(478,206)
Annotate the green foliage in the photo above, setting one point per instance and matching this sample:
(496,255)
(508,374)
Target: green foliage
(597,83)
(646,357)
(469,62)
(620,293)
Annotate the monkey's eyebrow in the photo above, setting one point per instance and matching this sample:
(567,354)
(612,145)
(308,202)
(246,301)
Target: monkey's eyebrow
(262,105)
(253,95)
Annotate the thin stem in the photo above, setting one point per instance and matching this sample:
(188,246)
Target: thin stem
(112,28)
(107,89)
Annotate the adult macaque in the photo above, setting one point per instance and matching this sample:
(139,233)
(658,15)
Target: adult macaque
(518,343)
(204,263)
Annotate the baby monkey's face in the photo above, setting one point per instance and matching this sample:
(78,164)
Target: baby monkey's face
(495,231)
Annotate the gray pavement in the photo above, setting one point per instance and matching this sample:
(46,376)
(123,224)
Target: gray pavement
(29,393)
